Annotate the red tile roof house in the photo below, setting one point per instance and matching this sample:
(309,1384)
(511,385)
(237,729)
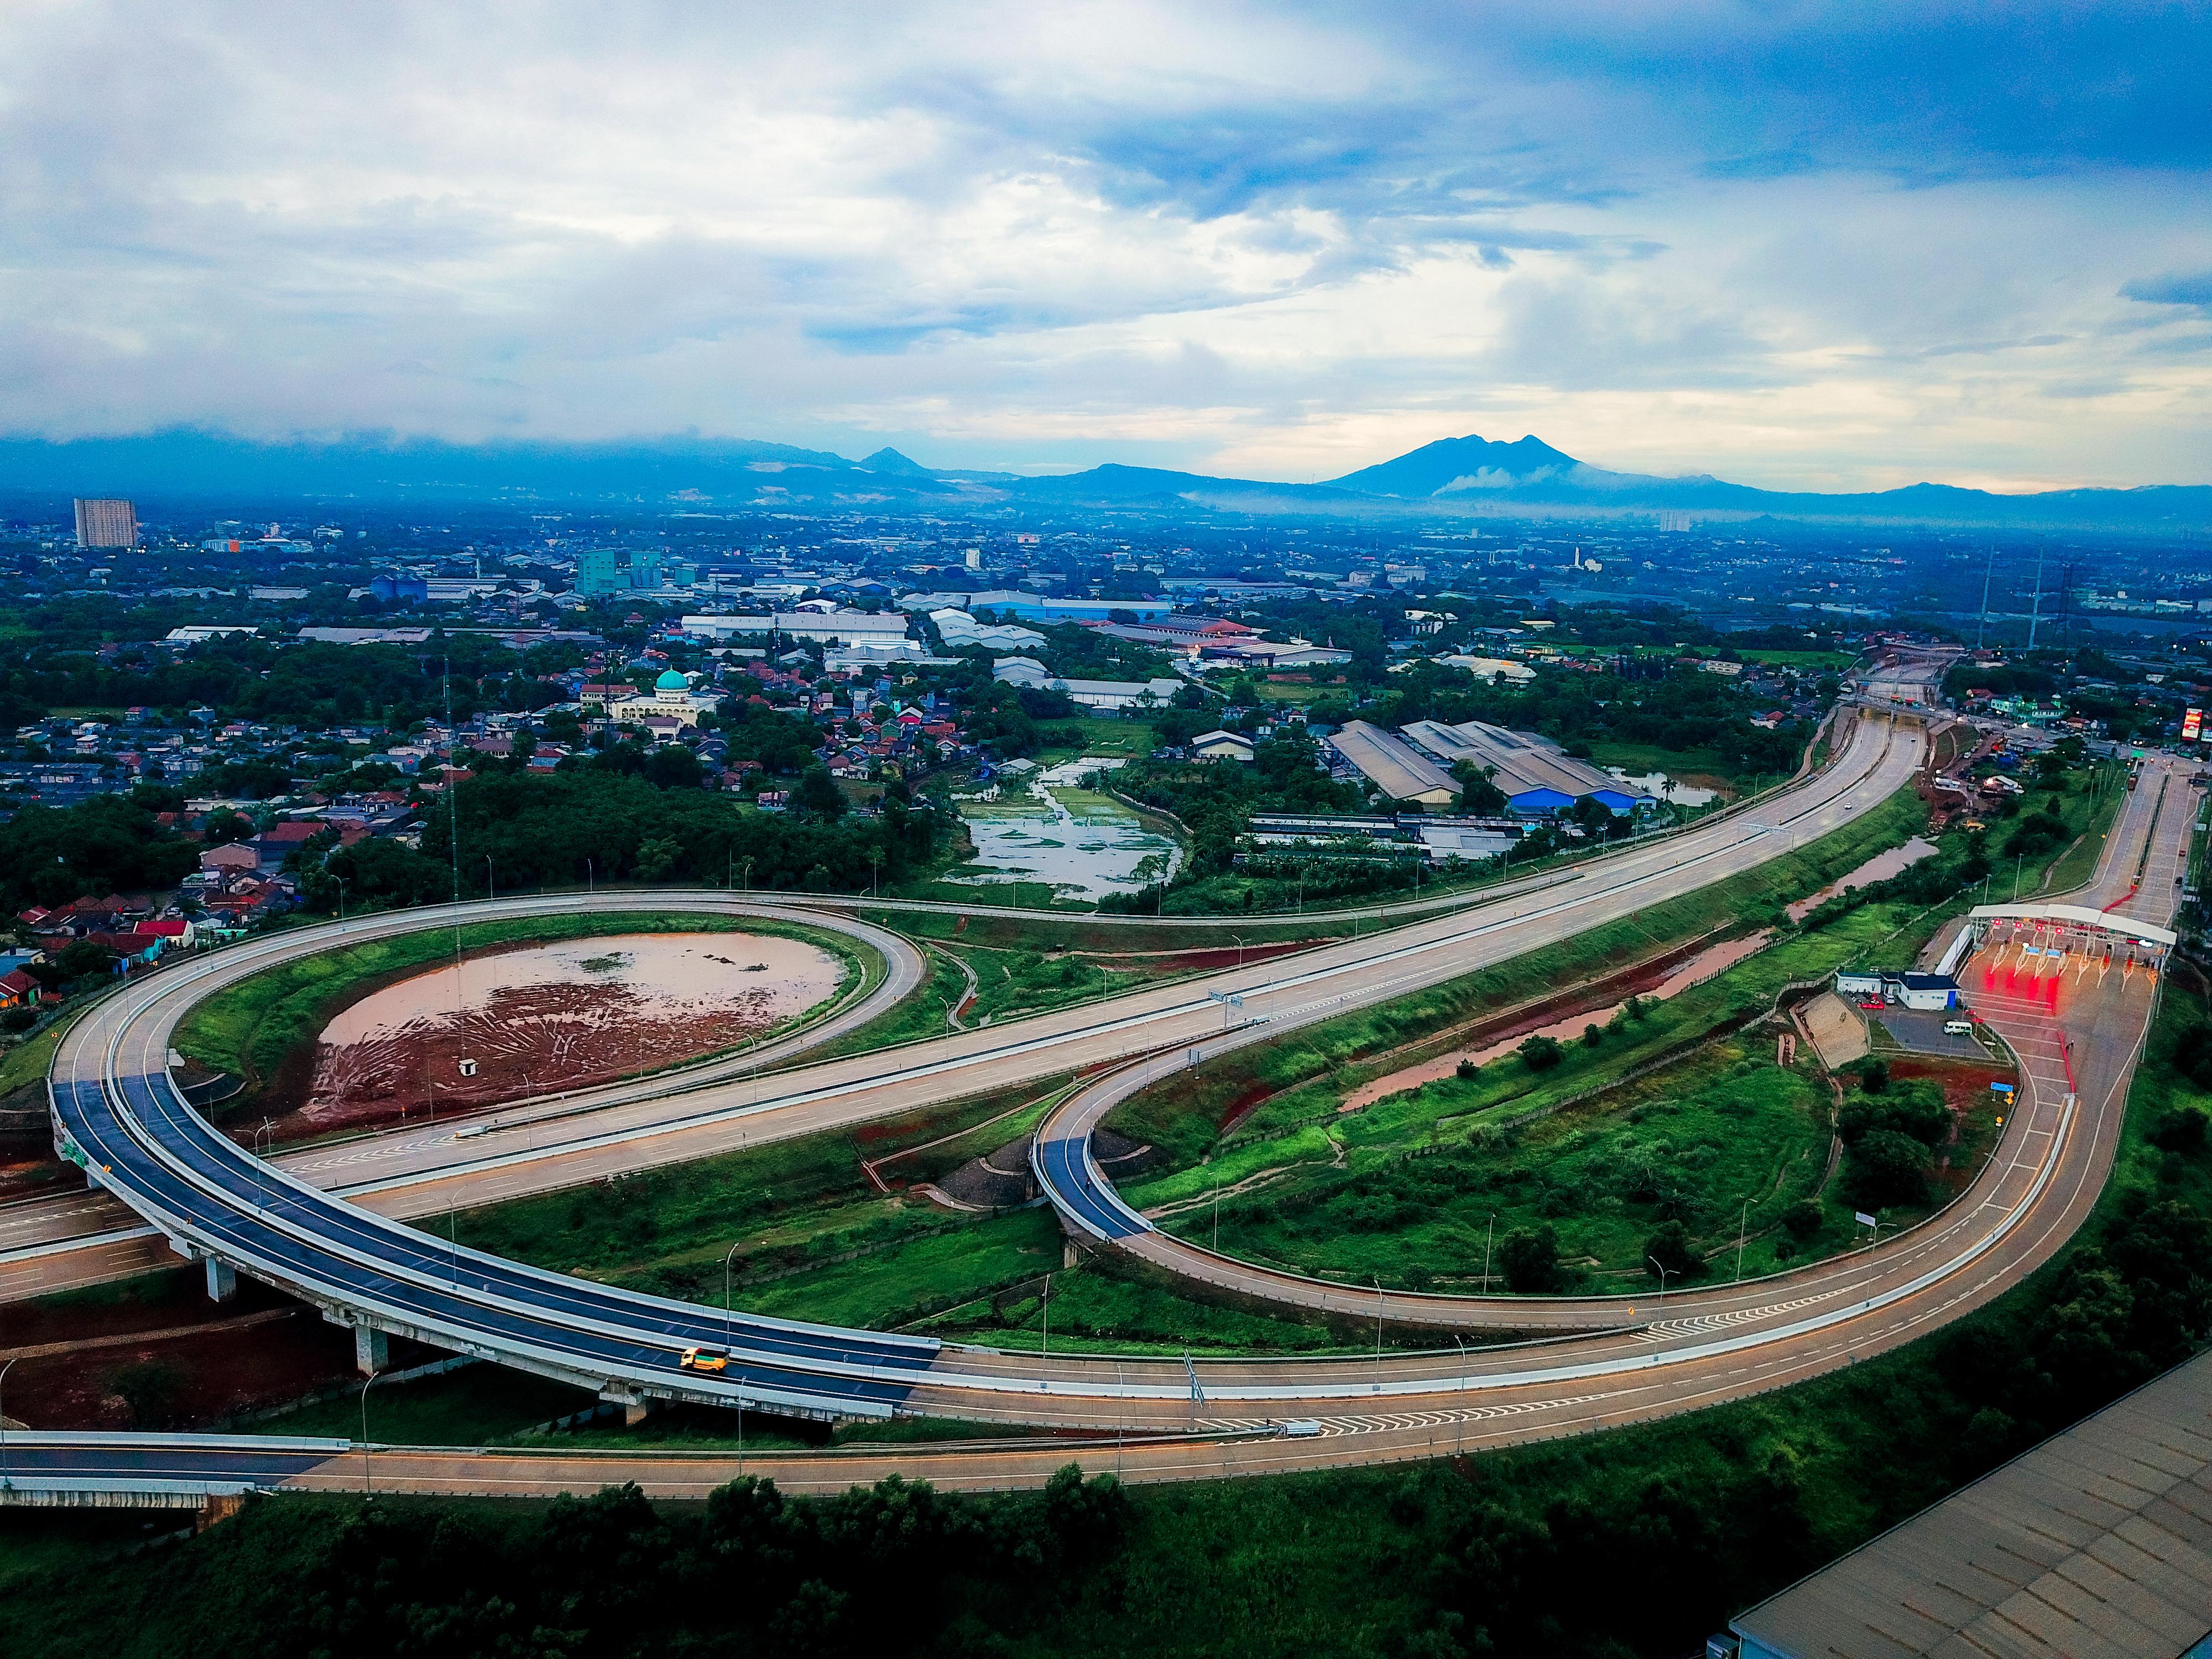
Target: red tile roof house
(273,844)
(171,930)
(131,947)
(17,989)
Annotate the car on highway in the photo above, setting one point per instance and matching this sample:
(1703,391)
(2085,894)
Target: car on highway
(704,1359)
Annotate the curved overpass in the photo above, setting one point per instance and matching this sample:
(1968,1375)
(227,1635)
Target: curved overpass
(63,1241)
(109,1090)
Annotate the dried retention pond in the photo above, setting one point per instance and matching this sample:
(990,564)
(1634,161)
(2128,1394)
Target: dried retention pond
(553,1016)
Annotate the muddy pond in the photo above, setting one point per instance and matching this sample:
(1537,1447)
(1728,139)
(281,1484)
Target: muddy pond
(1079,843)
(549,1017)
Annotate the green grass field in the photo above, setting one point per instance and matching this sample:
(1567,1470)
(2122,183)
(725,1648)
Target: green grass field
(1073,739)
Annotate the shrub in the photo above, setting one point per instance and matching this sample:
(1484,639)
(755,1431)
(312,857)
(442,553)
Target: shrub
(1915,1109)
(1468,1071)
(1802,1220)
(150,1388)
(1873,1076)
(1540,1054)
(1670,1248)
(1531,1261)
(2179,1130)
(1885,1169)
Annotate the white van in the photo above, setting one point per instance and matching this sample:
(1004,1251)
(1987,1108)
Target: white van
(1957,1028)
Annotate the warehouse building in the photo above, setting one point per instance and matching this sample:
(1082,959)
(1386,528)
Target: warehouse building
(1539,778)
(1393,765)
(2096,1544)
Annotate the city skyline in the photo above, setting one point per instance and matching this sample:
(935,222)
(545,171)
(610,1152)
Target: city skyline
(1802,249)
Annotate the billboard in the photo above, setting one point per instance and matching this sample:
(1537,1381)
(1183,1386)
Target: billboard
(2192,724)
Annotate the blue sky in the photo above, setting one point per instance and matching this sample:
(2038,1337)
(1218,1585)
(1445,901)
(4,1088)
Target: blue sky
(1812,247)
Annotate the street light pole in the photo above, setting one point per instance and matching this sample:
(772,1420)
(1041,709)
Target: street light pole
(364,1431)
(1379,1329)
(4,1420)
(491,886)
(1654,1261)
(725,1292)
(1741,1222)
(1489,1235)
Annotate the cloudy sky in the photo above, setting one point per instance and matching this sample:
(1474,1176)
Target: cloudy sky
(1801,246)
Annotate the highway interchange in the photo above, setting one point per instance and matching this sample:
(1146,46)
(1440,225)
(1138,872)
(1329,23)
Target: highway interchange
(1153,1419)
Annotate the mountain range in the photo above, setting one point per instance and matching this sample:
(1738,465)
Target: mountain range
(1453,477)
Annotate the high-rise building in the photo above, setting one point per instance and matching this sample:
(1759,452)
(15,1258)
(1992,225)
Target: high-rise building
(106,524)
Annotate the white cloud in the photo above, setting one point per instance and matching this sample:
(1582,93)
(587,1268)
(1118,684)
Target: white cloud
(1266,242)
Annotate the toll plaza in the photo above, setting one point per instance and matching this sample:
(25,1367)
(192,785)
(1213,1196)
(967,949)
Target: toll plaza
(2035,951)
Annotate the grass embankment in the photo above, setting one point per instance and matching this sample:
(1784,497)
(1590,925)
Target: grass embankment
(818,1240)
(1721,1140)
(23,1064)
(1687,1521)
(253,1027)
(2089,806)
(1186,1120)
(1416,1188)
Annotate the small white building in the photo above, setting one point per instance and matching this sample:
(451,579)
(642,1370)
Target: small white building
(1221,745)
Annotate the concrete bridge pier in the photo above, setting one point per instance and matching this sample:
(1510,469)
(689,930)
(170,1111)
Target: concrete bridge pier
(372,1350)
(221,1280)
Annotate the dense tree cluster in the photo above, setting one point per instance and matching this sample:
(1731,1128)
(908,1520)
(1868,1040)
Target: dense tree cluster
(109,844)
(600,824)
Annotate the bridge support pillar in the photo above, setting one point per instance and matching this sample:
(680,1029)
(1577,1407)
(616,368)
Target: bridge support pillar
(372,1350)
(1069,1256)
(221,1280)
(635,1413)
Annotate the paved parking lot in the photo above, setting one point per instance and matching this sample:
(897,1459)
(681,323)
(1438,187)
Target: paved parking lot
(1923,1034)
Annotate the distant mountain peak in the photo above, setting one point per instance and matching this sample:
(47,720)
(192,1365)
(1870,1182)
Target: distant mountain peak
(888,459)
(1452,465)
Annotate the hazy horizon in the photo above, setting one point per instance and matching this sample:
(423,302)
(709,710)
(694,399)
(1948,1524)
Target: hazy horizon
(1808,248)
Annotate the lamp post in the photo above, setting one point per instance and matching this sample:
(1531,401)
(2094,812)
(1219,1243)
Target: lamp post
(1239,938)
(4,1420)
(341,881)
(727,1259)
(1459,1418)
(365,1388)
(267,1130)
(591,877)
(1654,1261)
(1378,1330)
(1742,1221)
(491,887)
(1488,1237)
